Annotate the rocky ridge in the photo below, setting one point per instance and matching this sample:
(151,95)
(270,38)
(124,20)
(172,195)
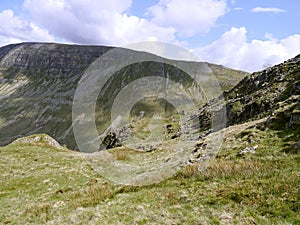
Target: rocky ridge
(273,93)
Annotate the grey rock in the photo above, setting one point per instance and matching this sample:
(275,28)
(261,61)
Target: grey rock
(140,208)
(248,150)
(296,147)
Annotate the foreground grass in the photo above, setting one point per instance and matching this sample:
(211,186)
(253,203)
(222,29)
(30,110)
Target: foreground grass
(43,185)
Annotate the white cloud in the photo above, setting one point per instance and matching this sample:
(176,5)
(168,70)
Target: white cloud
(238,8)
(188,18)
(273,10)
(166,50)
(95,22)
(13,29)
(108,23)
(233,50)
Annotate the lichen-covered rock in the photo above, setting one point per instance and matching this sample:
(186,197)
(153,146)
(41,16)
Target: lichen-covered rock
(39,140)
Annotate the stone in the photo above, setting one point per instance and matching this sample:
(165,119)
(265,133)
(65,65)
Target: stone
(183,195)
(248,150)
(140,208)
(58,204)
(296,147)
(110,141)
(141,115)
(38,140)
(295,118)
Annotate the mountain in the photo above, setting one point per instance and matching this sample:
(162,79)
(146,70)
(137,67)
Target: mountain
(254,178)
(38,82)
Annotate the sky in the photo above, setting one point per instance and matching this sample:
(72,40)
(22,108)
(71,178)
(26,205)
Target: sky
(243,34)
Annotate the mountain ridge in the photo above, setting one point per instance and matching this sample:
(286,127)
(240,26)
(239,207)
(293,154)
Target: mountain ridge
(38,81)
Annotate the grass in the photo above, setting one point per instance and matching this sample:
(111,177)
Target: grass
(44,185)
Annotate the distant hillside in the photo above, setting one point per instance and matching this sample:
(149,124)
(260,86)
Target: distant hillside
(38,82)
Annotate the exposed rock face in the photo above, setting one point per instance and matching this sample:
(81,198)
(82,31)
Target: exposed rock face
(273,92)
(38,82)
(37,88)
(49,60)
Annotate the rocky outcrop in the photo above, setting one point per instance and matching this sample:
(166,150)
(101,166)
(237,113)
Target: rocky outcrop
(275,90)
(39,140)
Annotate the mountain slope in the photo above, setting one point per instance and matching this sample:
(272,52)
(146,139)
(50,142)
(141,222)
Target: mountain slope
(273,93)
(38,82)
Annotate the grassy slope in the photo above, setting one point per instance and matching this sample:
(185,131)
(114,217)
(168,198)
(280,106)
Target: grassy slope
(42,185)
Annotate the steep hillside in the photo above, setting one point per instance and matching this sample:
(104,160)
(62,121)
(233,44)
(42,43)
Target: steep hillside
(273,93)
(38,82)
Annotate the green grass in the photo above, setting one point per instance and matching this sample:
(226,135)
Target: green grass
(44,185)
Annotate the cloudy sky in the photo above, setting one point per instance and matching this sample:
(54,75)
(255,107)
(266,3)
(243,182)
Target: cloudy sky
(242,34)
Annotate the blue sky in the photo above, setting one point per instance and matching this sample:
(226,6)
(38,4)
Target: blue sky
(242,34)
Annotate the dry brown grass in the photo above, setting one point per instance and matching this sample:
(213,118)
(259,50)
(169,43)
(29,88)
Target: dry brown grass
(228,168)
(38,209)
(223,169)
(92,195)
(121,156)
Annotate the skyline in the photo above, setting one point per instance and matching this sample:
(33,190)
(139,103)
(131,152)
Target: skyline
(245,35)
